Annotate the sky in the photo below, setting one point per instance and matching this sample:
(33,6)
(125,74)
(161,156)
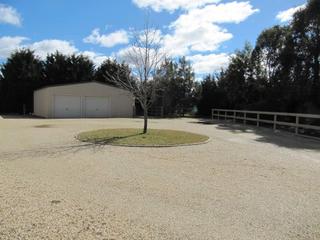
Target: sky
(207,32)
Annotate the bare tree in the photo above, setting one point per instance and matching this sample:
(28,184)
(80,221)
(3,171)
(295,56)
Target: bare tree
(144,57)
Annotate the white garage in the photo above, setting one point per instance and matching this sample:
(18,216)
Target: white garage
(83,100)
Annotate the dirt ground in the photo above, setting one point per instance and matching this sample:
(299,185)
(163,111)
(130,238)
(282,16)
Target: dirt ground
(244,184)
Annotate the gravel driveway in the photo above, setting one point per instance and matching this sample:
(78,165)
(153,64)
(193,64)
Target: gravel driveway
(244,184)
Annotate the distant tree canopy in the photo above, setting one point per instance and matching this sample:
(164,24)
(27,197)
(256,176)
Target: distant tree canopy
(21,74)
(61,69)
(281,73)
(111,67)
(177,86)
(210,95)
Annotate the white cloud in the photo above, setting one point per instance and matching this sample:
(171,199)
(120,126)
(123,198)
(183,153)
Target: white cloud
(45,47)
(108,40)
(123,54)
(196,33)
(41,48)
(210,63)
(9,15)
(287,15)
(132,54)
(202,64)
(197,29)
(233,12)
(205,38)
(96,58)
(172,5)
(9,44)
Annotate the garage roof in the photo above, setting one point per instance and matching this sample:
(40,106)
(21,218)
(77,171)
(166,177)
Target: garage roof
(68,84)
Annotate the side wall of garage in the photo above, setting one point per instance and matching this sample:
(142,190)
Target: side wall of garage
(42,103)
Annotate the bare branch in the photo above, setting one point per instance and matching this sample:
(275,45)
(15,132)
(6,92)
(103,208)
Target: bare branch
(144,58)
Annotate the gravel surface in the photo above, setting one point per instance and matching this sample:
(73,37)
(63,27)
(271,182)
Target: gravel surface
(244,184)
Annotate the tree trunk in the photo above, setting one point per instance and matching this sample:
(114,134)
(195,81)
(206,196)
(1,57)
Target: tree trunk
(145,118)
(316,84)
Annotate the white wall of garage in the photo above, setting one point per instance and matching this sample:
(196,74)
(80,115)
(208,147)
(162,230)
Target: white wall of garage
(83,100)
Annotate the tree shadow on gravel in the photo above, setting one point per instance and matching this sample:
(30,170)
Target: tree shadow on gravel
(18,116)
(265,135)
(52,151)
(60,150)
(111,140)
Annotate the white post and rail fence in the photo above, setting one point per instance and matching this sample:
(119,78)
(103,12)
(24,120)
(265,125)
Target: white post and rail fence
(301,124)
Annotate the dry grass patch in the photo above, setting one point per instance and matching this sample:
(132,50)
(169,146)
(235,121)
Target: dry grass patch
(135,137)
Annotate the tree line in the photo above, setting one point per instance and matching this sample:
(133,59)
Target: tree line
(24,72)
(280,73)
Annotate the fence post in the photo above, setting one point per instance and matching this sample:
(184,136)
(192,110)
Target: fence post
(245,118)
(297,125)
(275,122)
(258,119)
(234,116)
(134,111)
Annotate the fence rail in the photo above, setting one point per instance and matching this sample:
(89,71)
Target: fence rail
(260,117)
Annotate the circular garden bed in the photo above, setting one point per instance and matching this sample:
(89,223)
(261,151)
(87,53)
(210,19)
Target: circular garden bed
(135,137)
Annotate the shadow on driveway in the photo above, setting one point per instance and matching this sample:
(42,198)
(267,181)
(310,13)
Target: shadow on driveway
(265,135)
(110,140)
(17,116)
(52,152)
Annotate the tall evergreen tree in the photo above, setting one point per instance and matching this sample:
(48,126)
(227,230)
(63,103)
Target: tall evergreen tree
(177,86)
(209,95)
(185,80)
(111,67)
(62,69)
(21,74)
(234,80)
(306,36)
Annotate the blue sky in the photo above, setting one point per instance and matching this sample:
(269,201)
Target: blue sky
(206,31)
